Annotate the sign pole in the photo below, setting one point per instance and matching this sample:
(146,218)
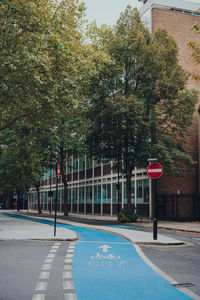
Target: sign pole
(56,199)
(155,230)
(155,171)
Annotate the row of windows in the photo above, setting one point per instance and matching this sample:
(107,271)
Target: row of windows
(73,165)
(91,194)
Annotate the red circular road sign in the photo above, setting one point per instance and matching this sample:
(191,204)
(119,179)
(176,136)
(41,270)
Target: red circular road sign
(155,170)
(58,171)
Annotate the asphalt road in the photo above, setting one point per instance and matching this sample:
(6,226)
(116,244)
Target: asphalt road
(21,265)
(105,267)
(182,263)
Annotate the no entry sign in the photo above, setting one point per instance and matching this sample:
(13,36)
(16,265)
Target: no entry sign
(58,171)
(155,170)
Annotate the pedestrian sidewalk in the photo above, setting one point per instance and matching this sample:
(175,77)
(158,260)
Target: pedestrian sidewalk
(135,234)
(21,229)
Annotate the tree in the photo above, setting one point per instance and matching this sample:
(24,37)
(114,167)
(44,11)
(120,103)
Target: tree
(195,47)
(139,106)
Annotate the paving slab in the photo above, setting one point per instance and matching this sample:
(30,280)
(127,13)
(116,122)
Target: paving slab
(135,236)
(19,229)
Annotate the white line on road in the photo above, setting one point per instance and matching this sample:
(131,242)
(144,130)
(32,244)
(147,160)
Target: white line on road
(41,286)
(67,275)
(48,260)
(70,296)
(44,275)
(38,297)
(69,255)
(68,260)
(53,250)
(68,267)
(68,285)
(46,267)
(51,255)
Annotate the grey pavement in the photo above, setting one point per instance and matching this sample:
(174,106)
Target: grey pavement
(19,229)
(32,231)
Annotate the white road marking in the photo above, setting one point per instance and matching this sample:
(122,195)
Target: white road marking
(55,247)
(53,250)
(44,275)
(67,275)
(38,297)
(56,244)
(46,267)
(41,286)
(68,260)
(51,255)
(104,248)
(70,251)
(68,267)
(48,260)
(70,296)
(69,255)
(68,285)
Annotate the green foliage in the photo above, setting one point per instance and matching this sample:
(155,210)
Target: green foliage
(139,106)
(127,215)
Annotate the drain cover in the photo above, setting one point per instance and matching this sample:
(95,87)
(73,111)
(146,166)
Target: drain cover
(186,284)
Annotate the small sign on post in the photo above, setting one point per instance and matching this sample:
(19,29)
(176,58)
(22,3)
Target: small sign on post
(155,171)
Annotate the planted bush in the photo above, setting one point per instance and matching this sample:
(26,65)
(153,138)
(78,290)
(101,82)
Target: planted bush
(127,215)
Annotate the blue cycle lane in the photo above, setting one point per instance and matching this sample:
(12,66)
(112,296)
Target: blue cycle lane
(107,267)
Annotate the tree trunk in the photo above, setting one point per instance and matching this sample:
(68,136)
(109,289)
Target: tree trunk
(64,178)
(38,198)
(128,185)
(18,198)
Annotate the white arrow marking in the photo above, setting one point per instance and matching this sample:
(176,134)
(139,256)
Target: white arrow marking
(105,248)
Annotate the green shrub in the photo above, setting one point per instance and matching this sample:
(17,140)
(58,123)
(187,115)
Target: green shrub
(127,215)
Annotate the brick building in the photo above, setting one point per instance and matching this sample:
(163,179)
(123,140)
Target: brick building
(93,188)
(178,17)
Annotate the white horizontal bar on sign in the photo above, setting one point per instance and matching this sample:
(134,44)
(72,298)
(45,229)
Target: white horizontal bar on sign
(154,170)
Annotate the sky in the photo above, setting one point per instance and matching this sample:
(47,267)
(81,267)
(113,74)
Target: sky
(107,11)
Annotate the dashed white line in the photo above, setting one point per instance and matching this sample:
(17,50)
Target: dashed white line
(48,260)
(70,251)
(41,286)
(51,255)
(68,267)
(53,250)
(70,296)
(44,275)
(68,285)
(69,255)
(46,267)
(38,297)
(68,260)
(67,275)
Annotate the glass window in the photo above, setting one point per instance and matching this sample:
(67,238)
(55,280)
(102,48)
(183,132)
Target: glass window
(97,194)
(139,191)
(82,163)
(74,195)
(115,193)
(106,193)
(69,166)
(75,164)
(88,162)
(69,196)
(81,194)
(88,194)
(146,191)
(132,192)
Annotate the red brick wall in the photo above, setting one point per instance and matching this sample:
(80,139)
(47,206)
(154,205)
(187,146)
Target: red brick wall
(178,25)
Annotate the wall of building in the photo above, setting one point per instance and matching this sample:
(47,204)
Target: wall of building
(179,26)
